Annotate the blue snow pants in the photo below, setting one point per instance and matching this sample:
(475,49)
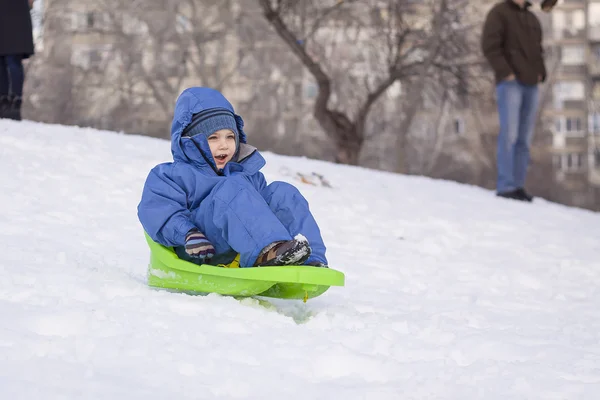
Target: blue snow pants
(237,218)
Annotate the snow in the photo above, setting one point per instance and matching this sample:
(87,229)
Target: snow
(451,293)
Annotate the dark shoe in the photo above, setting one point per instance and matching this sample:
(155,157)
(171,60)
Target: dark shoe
(292,252)
(5,105)
(524,195)
(15,108)
(513,194)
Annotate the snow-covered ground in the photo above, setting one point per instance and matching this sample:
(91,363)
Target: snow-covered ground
(451,293)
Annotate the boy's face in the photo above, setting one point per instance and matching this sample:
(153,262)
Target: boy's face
(222,146)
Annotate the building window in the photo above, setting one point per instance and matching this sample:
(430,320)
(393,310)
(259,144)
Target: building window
(78,21)
(459,126)
(557,161)
(183,24)
(570,90)
(87,57)
(90,20)
(569,162)
(95,57)
(568,23)
(594,123)
(577,161)
(574,161)
(573,125)
(573,54)
(595,52)
(594,14)
(311,90)
(134,26)
(596,91)
(569,125)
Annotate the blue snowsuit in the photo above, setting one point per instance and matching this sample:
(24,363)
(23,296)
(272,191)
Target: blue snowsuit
(234,207)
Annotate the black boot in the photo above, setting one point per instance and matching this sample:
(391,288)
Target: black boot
(523,193)
(513,194)
(15,108)
(5,105)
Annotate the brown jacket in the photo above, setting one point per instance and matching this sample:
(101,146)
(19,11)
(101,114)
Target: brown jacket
(512,43)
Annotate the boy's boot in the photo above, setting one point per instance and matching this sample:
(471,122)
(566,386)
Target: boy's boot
(292,252)
(317,264)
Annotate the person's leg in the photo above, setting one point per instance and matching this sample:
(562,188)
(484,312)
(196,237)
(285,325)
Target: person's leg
(5,102)
(527,120)
(12,85)
(292,209)
(16,74)
(509,98)
(3,77)
(235,216)
(16,78)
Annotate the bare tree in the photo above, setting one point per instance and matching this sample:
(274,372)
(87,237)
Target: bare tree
(163,46)
(355,50)
(126,62)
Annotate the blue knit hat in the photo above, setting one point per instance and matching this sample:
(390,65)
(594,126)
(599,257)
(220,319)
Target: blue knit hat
(209,121)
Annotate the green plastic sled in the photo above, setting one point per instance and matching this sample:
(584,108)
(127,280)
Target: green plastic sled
(168,271)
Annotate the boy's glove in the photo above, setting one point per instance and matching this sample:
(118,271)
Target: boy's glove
(198,246)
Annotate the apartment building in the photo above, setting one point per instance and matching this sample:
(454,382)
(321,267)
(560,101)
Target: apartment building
(573,36)
(127,62)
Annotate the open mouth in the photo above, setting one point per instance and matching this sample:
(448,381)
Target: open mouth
(221,157)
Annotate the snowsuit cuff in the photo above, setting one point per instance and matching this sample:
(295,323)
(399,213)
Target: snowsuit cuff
(182,226)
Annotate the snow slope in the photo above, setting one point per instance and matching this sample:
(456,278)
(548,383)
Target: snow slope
(450,292)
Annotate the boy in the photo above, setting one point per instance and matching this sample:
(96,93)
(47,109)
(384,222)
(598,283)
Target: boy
(214,201)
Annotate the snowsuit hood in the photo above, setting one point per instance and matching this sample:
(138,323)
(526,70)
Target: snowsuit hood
(195,150)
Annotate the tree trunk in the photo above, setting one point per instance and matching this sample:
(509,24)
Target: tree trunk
(348,150)
(347,133)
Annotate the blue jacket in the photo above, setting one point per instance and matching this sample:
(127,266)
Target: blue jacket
(174,189)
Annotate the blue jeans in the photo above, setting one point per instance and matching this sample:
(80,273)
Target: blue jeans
(12,75)
(517,109)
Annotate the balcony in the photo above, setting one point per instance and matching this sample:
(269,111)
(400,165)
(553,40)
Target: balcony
(594,33)
(572,4)
(594,67)
(578,70)
(573,105)
(569,34)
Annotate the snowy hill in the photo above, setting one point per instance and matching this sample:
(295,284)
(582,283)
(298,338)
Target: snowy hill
(450,292)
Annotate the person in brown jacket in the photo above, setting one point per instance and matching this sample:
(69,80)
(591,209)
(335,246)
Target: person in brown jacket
(512,44)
